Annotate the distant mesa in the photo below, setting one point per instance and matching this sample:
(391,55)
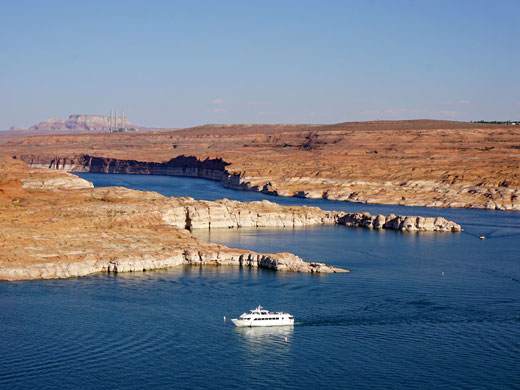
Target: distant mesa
(82,122)
(14,128)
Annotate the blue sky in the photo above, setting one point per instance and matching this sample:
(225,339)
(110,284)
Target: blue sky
(184,63)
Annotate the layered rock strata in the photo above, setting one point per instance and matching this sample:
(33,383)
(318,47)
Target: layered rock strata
(416,163)
(205,255)
(212,169)
(408,192)
(55,225)
(198,214)
(226,213)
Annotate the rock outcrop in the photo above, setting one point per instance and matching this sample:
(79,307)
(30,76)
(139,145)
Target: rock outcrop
(411,193)
(399,222)
(205,255)
(45,181)
(199,214)
(230,214)
(212,169)
(55,225)
(415,163)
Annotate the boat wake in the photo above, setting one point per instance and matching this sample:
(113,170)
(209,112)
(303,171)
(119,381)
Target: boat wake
(407,320)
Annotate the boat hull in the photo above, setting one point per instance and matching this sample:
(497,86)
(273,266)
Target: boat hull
(250,323)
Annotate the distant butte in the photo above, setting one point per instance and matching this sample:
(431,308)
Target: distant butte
(77,123)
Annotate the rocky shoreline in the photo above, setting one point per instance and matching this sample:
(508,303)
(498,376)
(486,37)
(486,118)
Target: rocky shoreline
(190,214)
(424,163)
(56,225)
(448,195)
(204,256)
(226,213)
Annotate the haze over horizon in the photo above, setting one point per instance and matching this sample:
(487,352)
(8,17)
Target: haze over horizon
(181,64)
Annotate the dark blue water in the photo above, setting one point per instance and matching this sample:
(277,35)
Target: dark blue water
(417,311)
(494,224)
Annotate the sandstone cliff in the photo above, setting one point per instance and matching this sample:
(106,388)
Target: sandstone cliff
(410,193)
(225,213)
(415,163)
(55,225)
(199,214)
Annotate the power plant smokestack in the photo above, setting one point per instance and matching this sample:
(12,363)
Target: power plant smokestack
(118,123)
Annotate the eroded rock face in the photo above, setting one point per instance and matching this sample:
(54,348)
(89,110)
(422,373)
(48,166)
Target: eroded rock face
(216,255)
(55,225)
(46,181)
(290,262)
(423,193)
(401,223)
(230,214)
(198,214)
(202,255)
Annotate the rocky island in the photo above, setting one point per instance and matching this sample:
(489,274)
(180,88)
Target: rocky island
(56,225)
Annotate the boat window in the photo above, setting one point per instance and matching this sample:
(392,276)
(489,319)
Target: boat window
(291,318)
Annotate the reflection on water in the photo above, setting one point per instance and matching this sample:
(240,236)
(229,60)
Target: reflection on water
(264,334)
(259,342)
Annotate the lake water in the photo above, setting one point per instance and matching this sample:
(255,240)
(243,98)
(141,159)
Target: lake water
(431,310)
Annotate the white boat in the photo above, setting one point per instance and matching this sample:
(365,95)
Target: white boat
(261,317)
